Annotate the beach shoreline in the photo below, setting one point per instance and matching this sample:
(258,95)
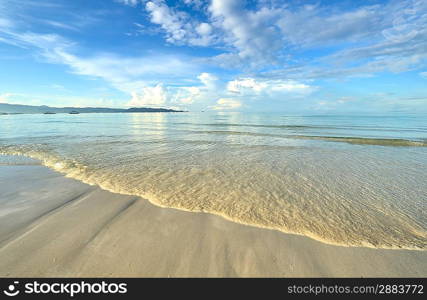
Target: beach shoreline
(53,226)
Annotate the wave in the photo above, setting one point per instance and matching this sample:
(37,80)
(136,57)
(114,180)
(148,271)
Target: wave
(304,127)
(343,139)
(367,141)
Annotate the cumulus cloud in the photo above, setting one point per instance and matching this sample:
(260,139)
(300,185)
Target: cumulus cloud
(143,78)
(170,96)
(274,49)
(209,80)
(185,95)
(178,25)
(173,23)
(204,29)
(149,96)
(226,104)
(252,34)
(269,33)
(146,79)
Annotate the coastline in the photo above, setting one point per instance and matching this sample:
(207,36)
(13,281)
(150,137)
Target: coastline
(53,226)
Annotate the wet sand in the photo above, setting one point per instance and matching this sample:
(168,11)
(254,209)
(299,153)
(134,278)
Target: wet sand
(55,226)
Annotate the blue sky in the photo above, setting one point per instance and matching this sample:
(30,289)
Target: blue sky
(221,55)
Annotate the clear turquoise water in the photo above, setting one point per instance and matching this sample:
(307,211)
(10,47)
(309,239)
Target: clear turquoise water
(347,180)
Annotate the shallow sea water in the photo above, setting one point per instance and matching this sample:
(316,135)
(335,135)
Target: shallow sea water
(352,181)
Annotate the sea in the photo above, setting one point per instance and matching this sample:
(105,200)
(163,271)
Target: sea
(355,181)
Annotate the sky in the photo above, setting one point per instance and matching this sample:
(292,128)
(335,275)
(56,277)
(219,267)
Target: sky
(220,55)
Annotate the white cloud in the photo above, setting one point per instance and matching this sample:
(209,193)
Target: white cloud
(268,33)
(409,19)
(423,74)
(171,22)
(44,42)
(260,42)
(129,2)
(289,86)
(226,104)
(252,33)
(195,3)
(361,61)
(145,79)
(209,80)
(307,25)
(238,85)
(204,29)
(394,56)
(140,77)
(59,25)
(149,96)
(161,96)
(124,72)
(255,37)
(178,25)
(191,94)
(187,95)
(251,85)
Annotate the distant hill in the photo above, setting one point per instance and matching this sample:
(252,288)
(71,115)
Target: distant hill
(6,108)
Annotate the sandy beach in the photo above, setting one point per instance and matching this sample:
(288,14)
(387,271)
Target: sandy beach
(55,226)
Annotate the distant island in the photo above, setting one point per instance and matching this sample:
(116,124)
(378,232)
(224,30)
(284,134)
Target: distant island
(6,108)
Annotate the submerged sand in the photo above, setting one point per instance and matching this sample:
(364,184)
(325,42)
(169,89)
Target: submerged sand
(55,226)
